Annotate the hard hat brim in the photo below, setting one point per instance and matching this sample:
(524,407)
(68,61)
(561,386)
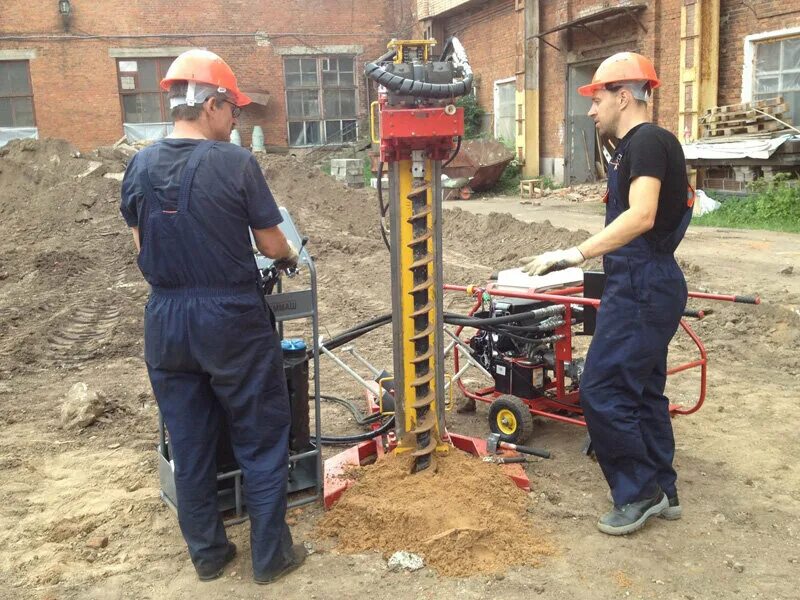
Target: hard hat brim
(590,89)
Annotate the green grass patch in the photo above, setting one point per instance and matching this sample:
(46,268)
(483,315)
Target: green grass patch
(509,180)
(368,171)
(473,116)
(772,205)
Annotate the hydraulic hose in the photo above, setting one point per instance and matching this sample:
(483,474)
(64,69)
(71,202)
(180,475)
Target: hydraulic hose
(421,89)
(331,440)
(537,314)
(383,208)
(455,153)
(360,418)
(357,331)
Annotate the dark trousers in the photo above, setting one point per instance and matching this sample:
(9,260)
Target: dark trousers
(622,388)
(212,359)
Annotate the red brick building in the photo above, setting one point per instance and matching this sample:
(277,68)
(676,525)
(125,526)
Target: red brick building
(92,75)
(531,55)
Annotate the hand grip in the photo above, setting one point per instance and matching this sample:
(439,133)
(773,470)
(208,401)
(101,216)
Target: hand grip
(530,450)
(755,299)
(510,460)
(696,314)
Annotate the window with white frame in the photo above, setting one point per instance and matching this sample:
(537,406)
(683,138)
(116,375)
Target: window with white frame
(505,110)
(777,72)
(320,100)
(16,95)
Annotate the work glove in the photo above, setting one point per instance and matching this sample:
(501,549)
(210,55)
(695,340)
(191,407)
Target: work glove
(552,261)
(289,261)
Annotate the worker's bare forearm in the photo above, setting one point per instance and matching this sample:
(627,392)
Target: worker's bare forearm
(271,242)
(136,241)
(628,226)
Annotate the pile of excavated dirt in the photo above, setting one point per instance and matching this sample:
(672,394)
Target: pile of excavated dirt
(461,515)
(333,211)
(68,279)
(71,290)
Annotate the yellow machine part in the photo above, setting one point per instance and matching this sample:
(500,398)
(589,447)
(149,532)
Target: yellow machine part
(400,46)
(419,393)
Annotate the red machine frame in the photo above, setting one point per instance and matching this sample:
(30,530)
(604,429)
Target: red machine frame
(557,398)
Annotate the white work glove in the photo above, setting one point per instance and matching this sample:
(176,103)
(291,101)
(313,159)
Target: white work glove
(552,261)
(290,260)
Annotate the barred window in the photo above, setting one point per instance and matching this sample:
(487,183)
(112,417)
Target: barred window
(142,99)
(320,100)
(16,94)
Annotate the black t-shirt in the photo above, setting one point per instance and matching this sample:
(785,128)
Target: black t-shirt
(655,152)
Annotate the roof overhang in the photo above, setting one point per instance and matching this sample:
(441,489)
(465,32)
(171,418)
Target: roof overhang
(597,16)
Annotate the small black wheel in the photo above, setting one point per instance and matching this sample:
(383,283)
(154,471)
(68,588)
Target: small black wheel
(509,416)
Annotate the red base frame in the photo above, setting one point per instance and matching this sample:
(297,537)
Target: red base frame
(557,399)
(337,469)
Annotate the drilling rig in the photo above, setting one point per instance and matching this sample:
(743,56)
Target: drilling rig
(418,128)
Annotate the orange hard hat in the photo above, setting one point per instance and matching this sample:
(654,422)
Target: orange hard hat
(619,68)
(202,66)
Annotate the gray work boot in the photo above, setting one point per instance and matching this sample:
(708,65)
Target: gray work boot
(672,513)
(622,520)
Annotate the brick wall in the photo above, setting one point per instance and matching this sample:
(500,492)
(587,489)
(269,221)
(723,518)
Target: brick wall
(432,8)
(490,36)
(738,20)
(578,47)
(75,80)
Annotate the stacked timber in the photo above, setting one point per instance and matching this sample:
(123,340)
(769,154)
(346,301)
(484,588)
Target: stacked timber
(760,118)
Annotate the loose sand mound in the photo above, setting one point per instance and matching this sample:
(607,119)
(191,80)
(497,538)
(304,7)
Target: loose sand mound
(463,516)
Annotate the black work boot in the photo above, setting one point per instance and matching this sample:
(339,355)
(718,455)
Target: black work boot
(299,554)
(672,513)
(625,519)
(214,571)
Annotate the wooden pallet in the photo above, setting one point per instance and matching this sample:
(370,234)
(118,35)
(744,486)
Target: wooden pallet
(754,128)
(749,118)
(746,106)
(745,115)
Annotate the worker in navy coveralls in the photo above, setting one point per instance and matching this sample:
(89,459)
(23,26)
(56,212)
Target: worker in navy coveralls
(647,213)
(210,348)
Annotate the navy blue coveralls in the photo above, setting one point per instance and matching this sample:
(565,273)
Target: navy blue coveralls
(211,354)
(622,388)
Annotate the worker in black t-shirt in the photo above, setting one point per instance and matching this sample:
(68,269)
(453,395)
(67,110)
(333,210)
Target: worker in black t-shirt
(647,213)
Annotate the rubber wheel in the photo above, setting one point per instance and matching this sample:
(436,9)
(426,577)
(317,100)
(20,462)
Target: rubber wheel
(509,416)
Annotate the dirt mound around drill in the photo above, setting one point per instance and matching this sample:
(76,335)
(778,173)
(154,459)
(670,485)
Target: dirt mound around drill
(463,516)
